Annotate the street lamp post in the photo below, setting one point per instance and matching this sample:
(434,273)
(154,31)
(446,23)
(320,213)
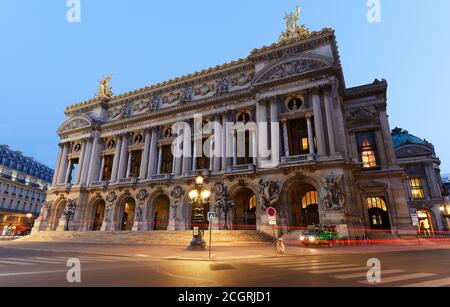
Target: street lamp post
(200,198)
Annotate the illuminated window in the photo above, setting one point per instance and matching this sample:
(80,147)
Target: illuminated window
(310,198)
(304,144)
(167,160)
(367,149)
(135,163)
(417,191)
(252,202)
(376,202)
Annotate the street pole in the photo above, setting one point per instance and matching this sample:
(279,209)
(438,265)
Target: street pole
(210,239)
(274,239)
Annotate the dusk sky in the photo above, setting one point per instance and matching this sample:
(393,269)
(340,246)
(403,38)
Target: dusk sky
(47,63)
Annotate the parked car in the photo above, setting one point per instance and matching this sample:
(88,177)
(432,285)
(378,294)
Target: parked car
(319,235)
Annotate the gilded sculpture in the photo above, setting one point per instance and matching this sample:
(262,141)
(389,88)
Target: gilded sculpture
(293,30)
(105,90)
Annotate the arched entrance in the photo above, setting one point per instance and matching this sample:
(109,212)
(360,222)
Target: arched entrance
(58,214)
(303,204)
(378,213)
(425,226)
(125,214)
(97,215)
(244,210)
(161,206)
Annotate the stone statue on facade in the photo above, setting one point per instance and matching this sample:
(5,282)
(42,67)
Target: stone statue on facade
(105,90)
(45,211)
(177,195)
(155,103)
(186,95)
(292,19)
(270,191)
(222,86)
(335,194)
(69,212)
(223,201)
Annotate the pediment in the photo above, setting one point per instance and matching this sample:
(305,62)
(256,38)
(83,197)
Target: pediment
(74,123)
(291,67)
(412,150)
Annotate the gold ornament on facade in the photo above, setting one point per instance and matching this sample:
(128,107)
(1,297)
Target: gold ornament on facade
(293,30)
(105,90)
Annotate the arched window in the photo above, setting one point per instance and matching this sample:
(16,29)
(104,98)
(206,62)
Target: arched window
(376,202)
(310,198)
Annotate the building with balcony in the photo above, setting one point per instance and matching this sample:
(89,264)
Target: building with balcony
(23,186)
(296,139)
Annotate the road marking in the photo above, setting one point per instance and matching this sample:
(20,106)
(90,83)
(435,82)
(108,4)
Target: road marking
(51,259)
(432,283)
(302,265)
(358,275)
(15,262)
(400,278)
(33,260)
(29,273)
(284,265)
(339,270)
(315,268)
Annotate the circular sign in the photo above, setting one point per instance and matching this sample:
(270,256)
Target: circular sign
(271,212)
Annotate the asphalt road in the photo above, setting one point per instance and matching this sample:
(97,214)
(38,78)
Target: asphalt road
(40,268)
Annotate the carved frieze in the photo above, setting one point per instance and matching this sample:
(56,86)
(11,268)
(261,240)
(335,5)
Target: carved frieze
(290,68)
(361,116)
(334,198)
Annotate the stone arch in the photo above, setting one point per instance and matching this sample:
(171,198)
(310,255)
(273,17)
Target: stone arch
(75,123)
(293,214)
(283,68)
(245,214)
(158,211)
(124,212)
(95,214)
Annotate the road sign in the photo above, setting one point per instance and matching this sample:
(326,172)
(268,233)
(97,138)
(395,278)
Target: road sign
(271,212)
(211,216)
(272,221)
(414,216)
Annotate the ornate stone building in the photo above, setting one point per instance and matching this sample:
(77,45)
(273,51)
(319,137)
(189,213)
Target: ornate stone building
(23,184)
(336,162)
(423,181)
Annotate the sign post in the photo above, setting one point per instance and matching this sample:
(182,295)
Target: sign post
(272,214)
(211,217)
(415,221)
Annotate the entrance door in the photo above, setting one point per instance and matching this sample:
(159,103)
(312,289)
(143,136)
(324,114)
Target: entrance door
(378,213)
(126,216)
(98,214)
(162,211)
(244,210)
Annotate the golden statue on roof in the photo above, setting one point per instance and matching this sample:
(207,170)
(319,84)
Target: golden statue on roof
(293,30)
(105,90)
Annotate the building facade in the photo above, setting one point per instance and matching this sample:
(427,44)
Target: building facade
(23,186)
(331,158)
(423,180)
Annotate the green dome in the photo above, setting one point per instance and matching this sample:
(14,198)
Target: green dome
(402,137)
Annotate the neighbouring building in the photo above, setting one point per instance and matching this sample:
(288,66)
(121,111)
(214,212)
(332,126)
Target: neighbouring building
(23,186)
(336,164)
(423,181)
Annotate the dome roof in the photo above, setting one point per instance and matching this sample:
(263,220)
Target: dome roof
(403,137)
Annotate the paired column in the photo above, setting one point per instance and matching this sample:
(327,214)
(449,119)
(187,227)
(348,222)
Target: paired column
(80,163)
(87,160)
(262,127)
(145,155)
(68,172)
(318,125)
(224,143)
(330,124)
(102,166)
(286,138)
(63,164)
(160,152)
(153,153)
(310,134)
(116,160)
(274,131)
(123,158)
(94,163)
(217,144)
(58,164)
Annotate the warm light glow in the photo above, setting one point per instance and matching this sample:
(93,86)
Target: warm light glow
(199,180)
(193,194)
(442,208)
(206,194)
(29,216)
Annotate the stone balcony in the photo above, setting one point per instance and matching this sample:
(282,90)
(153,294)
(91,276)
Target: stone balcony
(298,159)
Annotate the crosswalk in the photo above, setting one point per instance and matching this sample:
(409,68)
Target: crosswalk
(58,260)
(357,273)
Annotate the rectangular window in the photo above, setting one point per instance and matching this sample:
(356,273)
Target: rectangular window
(135,163)
(304,145)
(417,191)
(107,168)
(167,160)
(367,149)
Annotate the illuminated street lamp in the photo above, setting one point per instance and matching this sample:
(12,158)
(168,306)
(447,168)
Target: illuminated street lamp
(29,216)
(200,198)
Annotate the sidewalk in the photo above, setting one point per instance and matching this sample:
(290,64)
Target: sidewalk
(254,251)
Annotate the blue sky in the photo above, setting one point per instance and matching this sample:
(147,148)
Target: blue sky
(47,63)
